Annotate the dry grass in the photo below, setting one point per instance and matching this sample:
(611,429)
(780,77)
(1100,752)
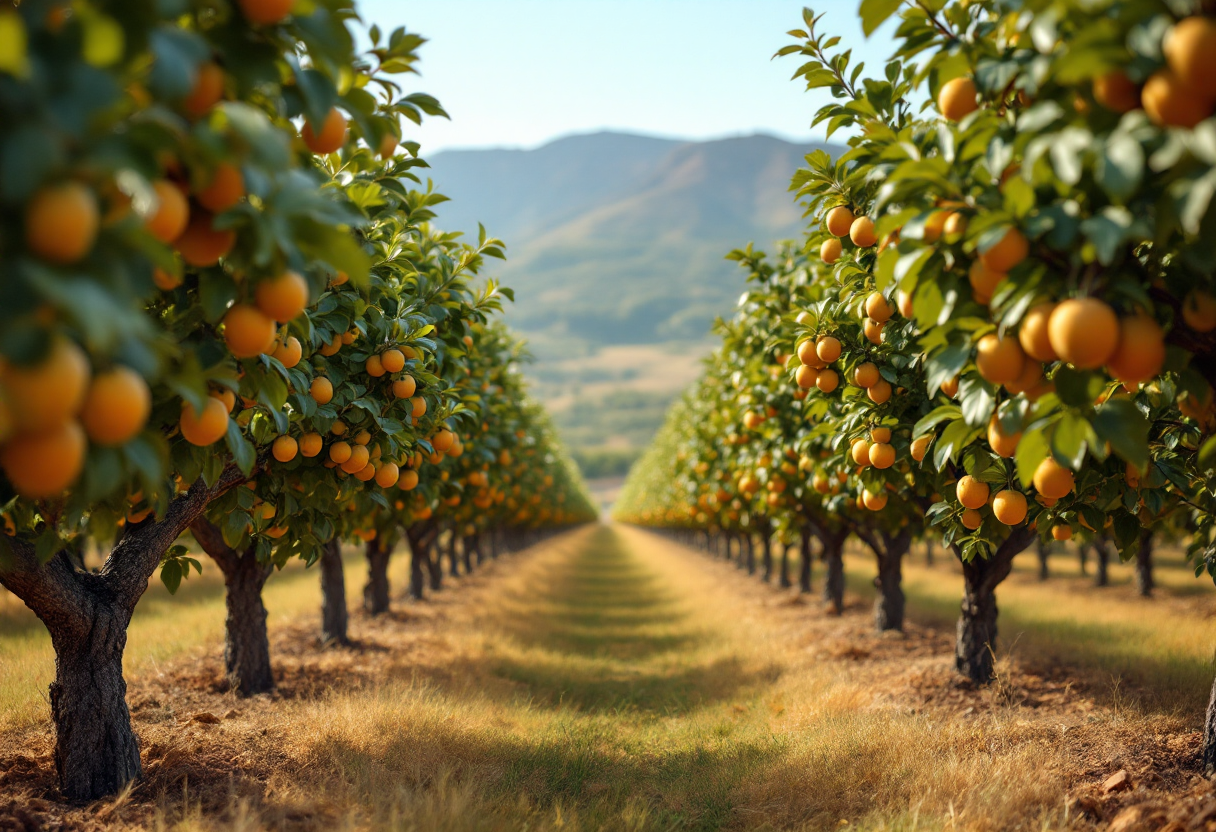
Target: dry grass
(612,681)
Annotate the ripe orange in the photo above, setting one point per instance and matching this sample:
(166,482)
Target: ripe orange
(338,428)
(806,377)
(332,347)
(934,226)
(880,391)
(201,244)
(172,212)
(1171,103)
(1116,92)
(860,451)
(340,452)
(920,446)
(247,331)
(839,220)
(971,492)
(827,348)
(903,300)
(1007,253)
(866,375)
(116,407)
(42,465)
(265,12)
(331,136)
(1061,531)
(285,448)
(882,455)
(972,519)
(359,458)
(388,475)
(388,145)
(984,281)
(310,444)
(226,188)
(362,437)
(165,281)
(1199,311)
(1053,480)
(408,480)
(950,387)
(393,360)
(443,440)
(61,222)
(872,330)
(1084,332)
(289,352)
(321,390)
(1034,334)
(1141,351)
(207,427)
(956,99)
(878,308)
(1009,507)
(373,366)
(1004,444)
(861,232)
(418,407)
(1190,50)
(207,91)
(830,251)
(50,392)
(404,387)
(282,298)
(874,502)
(955,226)
(999,360)
(827,381)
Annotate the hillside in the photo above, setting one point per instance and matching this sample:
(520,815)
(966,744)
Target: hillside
(616,245)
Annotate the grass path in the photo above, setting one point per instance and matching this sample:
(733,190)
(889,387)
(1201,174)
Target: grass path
(608,680)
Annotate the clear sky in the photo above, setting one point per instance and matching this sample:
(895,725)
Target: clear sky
(518,73)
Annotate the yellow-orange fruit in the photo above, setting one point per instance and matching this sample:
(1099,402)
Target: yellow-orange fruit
(1053,480)
(42,465)
(418,407)
(1060,531)
(872,330)
(827,381)
(172,212)
(882,455)
(226,396)
(866,375)
(204,428)
(310,444)
(1010,250)
(1084,332)
(830,251)
(116,407)
(387,475)
(332,347)
(839,220)
(374,368)
(404,387)
(807,354)
(904,301)
(984,281)
(225,189)
(392,360)
(282,298)
(388,145)
(165,281)
(955,225)
(408,480)
(330,137)
(367,473)
(1116,92)
(999,360)
(934,226)
(289,352)
(827,348)
(956,99)
(1171,103)
(443,440)
(61,222)
(972,519)
(1004,444)
(880,391)
(340,452)
(860,451)
(321,390)
(1009,507)
(971,492)
(878,308)
(1141,351)
(1190,50)
(50,392)
(201,244)
(1199,311)
(247,331)
(873,501)
(338,428)
(207,91)
(806,377)
(1034,334)
(285,448)
(950,387)
(861,232)
(920,446)
(265,12)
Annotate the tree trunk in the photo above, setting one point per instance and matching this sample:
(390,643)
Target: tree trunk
(928,551)
(1144,565)
(1044,553)
(434,566)
(749,549)
(785,565)
(805,564)
(466,554)
(766,555)
(1209,736)
(889,605)
(833,581)
(976,633)
(415,538)
(1083,556)
(333,595)
(1102,574)
(453,555)
(377,591)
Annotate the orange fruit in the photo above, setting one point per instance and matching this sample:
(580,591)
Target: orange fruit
(1004,444)
(42,465)
(839,221)
(388,475)
(878,308)
(866,375)
(827,348)
(1190,50)
(1171,103)
(340,452)
(950,387)
(201,244)
(443,440)
(830,251)
(827,381)
(861,232)
(349,337)
(338,428)
(116,407)
(807,354)
(165,281)
(225,189)
(955,225)
(1141,351)
(310,444)
(934,226)
(956,99)
(332,347)
(806,377)
(874,502)
(1053,480)
(282,298)
(971,492)
(359,457)
(999,360)
(408,480)
(984,281)
(265,12)
(872,330)
(226,396)
(285,448)
(207,427)
(393,360)
(1116,92)
(1009,507)
(321,390)
(903,300)
(1010,250)
(417,407)
(373,366)
(362,437)
(247,331)
(339,279)
(1061,531)
(331,136)
(61,222)
(367,473)
(1199,311)
(882,455)
(289,352)
(404,387)
(972,519)
(880,391)
(860,451)
(1084,332)
(388,145)
(50,392)
(207,91)
(1034,333)
(920,446)
(172,212)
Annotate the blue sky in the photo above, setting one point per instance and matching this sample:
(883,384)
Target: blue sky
(518,73)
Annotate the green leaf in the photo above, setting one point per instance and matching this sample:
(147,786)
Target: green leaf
(1032,450)
(1207,454)
(1120,166)
(171,575)
(935,418)
(242,451)
(1078,388)
(1121,423)
(1070,439)
(875,12)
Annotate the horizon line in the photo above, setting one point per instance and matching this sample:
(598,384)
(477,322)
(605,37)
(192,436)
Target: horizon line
(771,134)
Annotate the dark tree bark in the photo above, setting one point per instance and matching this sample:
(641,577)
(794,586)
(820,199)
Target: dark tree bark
(87,614)
(1102,556)
(1144,565)
(975,642)
(433,564)
(786,583)
(376,592)
(929,551)
(889,550)
(333,595)
(749,553)
(1044,553)
(418,537)
(766,554)
(246,643)
(1083,557)
(466,554)
(833,558)
(1209,736)
(805,561)
(453,554)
